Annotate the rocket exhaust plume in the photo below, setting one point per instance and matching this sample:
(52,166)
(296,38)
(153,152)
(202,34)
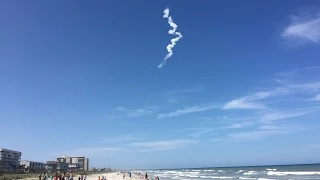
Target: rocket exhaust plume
(174,40)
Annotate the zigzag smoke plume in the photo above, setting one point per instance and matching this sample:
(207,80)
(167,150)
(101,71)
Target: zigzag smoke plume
(174,40)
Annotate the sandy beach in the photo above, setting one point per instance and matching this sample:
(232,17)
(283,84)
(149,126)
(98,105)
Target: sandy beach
(111,176)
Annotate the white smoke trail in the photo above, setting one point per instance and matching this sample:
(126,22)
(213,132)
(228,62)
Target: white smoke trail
(174,40)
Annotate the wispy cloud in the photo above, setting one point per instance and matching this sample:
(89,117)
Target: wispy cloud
(303,30)
(317,98)
(295,81)
(136,112)
(127,137)
(307,87)
(297,72)
(215,140)
(267,110)
(268,130)
(280,115)
(187,110)
(163,145)
(265,132)
(315,146)
(280,127)
(188,90)
(291,113)
(201,131)
(171,101)
(256,135)
(251,101)
(243,104)
(239,125)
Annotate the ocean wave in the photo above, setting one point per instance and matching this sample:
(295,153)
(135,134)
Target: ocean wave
(240,171)
(220,177)
(176,177)
(179,178)
(161,175)
(191,172)
(208,170)
(197,170)
(246,178)
(272,173)
(170,172)
(204,177)
(271,169)
(192,176)
(250,173)
(265,179)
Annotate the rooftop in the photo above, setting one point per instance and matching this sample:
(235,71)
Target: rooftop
(9,150)
(32,161)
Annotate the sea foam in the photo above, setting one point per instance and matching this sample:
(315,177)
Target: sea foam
(272,173)
(250,173)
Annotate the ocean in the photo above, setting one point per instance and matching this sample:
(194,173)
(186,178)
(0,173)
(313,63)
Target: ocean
(290,172)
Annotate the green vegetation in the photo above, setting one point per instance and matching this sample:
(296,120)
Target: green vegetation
(17,176)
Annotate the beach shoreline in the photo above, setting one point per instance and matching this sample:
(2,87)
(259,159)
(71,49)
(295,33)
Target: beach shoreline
(112,176)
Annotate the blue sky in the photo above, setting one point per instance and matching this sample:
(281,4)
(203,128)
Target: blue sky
(81,78)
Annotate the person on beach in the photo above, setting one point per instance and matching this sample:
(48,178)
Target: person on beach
(55,176)
(124,175)
(146,176)
(84,176)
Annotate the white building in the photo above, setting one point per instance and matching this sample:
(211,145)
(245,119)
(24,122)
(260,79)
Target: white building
(32,165)
(75,163)
(9,159)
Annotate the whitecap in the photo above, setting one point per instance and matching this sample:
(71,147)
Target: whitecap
(192,176)
(204,177)
(192,172)
(271,169)
(250,173)
(208,170)
(221,177)
(272,173)
(198,170)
